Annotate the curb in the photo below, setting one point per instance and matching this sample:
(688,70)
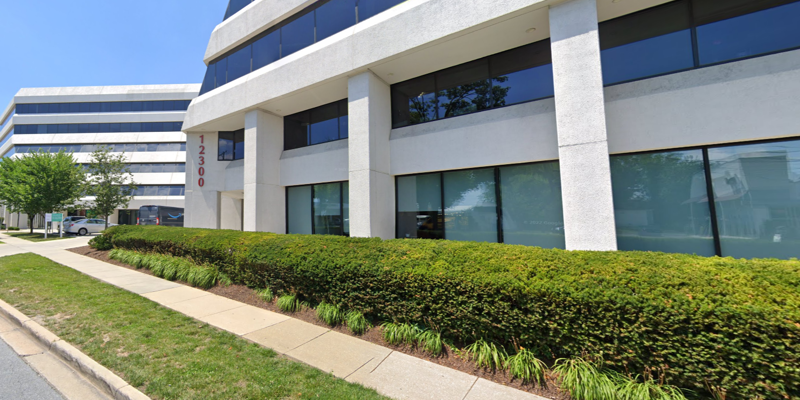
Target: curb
(98,374)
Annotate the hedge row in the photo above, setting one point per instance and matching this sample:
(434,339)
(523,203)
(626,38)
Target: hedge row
(695,321)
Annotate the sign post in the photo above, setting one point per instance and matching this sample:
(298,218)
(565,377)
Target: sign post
(48,218)
(60,219)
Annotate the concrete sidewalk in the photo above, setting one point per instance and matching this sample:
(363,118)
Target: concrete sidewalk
(391,373)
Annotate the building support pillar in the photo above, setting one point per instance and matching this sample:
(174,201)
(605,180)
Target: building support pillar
(581,121)
(372,198)
(264,197)
(201,203)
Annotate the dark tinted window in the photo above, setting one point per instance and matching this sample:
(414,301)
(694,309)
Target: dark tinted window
(239,63)
(103,107)
(235,6)
(335,16)
(231,145)
(318,125)
(749,35)
(511,77)
(266,50)
(297,34)
(370,8)
(221,68)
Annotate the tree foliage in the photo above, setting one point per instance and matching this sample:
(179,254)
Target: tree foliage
(110,182)
(40,183)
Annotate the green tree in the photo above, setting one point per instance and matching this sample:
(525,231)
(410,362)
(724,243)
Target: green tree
(39,183)
(110,182)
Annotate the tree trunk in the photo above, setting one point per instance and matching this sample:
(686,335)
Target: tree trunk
(30,223)
(105,217)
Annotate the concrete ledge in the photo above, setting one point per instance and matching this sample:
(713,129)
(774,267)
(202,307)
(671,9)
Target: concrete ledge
(100,375)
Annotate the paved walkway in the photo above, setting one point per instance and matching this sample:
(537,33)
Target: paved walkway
(392,373)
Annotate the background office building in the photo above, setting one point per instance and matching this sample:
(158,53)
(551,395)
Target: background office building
(144,122)
(580,124)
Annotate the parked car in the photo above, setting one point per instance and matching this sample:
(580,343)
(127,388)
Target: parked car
(69,220)
(86,226)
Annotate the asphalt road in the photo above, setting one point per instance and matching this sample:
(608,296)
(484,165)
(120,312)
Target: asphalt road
(19,382)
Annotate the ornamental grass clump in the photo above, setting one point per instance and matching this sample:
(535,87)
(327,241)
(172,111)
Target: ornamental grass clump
(525,366)
(265,294)
(289,303)
(400,334)
(631,389)
(486,355)
(169,267)
(357,322)
(431,341)
(330,314)
(583,381)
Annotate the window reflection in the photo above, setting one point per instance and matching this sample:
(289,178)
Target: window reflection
(328,209)
(470,205)
(757,199)
(531,198)
(661,203)
(318,125)
(230,145)
(321,209)
(419,207)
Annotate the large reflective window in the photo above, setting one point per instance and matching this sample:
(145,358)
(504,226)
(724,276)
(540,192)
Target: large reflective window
(266,50)
(239,63)
(749,35)
(231,145)
(522,74)
(512,77)
(346,208)
(464,89)
(651,42)
(221,68)
(324,124)
(297,34)
(531,205)
(661,203)
(470,205)
(317,125)
(298,210)
(335,16)
(370,8)
(328,209)
(419,207)
(757,199)
(414,101)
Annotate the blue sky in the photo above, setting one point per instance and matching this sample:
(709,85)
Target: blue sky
(103,42)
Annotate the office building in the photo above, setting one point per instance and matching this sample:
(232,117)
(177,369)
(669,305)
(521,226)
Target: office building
(580,124)
(144,122)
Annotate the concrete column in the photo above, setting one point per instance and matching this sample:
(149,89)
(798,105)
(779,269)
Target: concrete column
(371,184)
(201,204)
(264,197)
(581,120)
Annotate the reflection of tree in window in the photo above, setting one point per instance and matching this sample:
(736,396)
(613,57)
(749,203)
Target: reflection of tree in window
(472,97)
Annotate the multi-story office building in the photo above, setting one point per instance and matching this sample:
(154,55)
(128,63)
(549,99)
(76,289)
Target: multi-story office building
(144,122)
(579,124)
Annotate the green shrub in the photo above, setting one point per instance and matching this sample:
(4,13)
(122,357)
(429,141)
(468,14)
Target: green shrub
(330,314)
(101,242)
(13,228)
(727,323)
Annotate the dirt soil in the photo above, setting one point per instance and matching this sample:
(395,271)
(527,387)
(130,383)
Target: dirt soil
(449,359)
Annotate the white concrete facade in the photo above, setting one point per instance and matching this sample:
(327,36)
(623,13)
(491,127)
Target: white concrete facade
(581,126)
(12,141)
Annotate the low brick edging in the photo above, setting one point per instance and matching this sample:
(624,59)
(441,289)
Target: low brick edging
(101,376)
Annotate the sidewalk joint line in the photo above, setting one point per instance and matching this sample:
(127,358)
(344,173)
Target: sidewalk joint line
(470,388)
(380,363)
(302,344)
(356,370)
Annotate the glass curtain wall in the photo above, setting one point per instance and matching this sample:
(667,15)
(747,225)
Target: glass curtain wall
(661,203)
(321,209)
(99,128)
(316,22)
(662,200)
(757,199)
(513,204)
(515,76)
(317,125)
(103,107)
(688,34)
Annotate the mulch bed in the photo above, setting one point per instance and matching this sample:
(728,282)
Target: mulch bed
(247,295)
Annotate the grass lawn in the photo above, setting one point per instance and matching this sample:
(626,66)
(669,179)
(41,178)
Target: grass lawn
(162,352)
(37,237)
